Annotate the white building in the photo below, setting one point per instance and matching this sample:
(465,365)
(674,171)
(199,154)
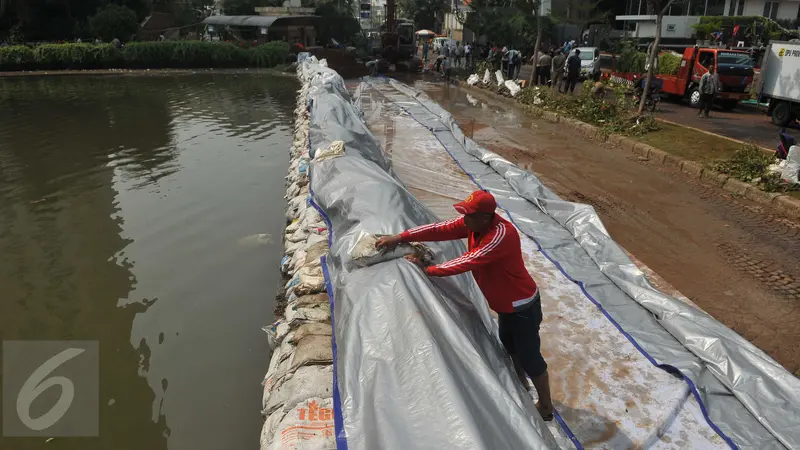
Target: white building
(453,26)
(678,21)
(371,14)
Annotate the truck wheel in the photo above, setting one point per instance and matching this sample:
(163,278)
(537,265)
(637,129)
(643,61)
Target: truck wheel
(728,105)
(694,98)
(782,114)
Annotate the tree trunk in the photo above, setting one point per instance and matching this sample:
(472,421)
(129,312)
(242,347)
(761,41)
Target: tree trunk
(651,58)
(538,43)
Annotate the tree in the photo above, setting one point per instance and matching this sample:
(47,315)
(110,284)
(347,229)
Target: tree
(536,7)
(659,8)
(114,21)
(425,13)
(505,22)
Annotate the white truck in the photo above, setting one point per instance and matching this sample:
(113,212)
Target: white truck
(779,82)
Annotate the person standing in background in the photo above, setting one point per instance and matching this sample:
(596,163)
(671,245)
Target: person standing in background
(468,54)
(544,64)
(425,50)
(557,70)
(573,70)
(709,86)
(514,57)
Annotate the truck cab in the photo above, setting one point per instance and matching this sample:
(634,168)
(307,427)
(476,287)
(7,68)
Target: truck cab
(734,70)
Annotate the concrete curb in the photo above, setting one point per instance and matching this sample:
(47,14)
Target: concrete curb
(785,205)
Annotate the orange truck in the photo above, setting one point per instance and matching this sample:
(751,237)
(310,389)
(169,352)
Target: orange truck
(734,69)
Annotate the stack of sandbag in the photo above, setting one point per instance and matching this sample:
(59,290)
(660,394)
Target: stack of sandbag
(298,387)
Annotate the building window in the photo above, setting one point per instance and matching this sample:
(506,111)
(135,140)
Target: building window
(771,10)
(715,8)
(737,8)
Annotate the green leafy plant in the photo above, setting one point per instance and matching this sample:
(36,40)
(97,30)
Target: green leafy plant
(669,63)
(747,164)
(16,57)
(269,55)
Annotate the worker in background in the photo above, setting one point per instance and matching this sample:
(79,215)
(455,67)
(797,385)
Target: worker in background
(495,261)
(709,86)
(425,50)
(514,59)
(557,70)
(573,71)
(543,64)
(447,69)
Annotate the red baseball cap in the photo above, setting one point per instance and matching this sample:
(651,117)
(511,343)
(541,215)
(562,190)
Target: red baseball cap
(477,202)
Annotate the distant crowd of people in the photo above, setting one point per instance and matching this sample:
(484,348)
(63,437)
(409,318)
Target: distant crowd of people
(557,67)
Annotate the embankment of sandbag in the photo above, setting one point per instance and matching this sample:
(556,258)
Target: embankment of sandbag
(417,359)
(297,403)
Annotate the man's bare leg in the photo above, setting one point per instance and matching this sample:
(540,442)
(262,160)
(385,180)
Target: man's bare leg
(545,403)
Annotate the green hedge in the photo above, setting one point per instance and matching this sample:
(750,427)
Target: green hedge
(141,55)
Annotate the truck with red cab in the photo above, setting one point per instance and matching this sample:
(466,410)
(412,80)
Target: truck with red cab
(734,70)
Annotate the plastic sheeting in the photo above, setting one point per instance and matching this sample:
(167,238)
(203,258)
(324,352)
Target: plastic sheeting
(744,396)
(417,361)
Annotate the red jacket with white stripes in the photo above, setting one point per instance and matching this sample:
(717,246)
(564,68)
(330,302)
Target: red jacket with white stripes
(494,258)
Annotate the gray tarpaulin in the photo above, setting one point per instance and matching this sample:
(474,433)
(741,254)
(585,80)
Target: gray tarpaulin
(418,365)
(417,361)
(748,398)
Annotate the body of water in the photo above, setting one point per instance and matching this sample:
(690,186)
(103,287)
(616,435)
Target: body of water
(145,213)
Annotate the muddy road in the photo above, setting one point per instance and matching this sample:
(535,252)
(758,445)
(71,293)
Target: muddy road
(733,258)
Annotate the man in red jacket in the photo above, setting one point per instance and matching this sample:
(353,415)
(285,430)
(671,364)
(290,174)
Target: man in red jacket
(495,260)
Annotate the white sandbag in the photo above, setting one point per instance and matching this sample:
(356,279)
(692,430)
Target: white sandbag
(473,79)
(313,216)
(312,329)
(486,77)
(314,253)
(305,382)
(512,87)
(291,249)
(499,77)
(364,252)
(293,190)
(316,300)
(297,316)
(307,426)
(276,332)
(307,280)
(312,349)
(293,226)
(334,150)
(298,260)
(316,238)
(788,170)
(298,236)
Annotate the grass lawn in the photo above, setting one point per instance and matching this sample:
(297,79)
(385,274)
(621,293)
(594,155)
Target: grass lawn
(690,144)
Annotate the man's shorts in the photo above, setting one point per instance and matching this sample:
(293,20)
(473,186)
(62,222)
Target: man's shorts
(519,333)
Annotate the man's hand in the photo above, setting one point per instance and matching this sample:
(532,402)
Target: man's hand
(388,243)
(414,259)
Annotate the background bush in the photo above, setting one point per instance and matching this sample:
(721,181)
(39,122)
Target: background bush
(114,21)
(142,55)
